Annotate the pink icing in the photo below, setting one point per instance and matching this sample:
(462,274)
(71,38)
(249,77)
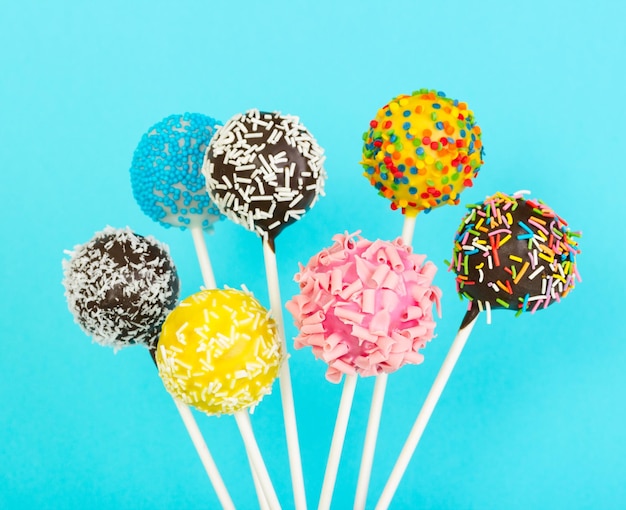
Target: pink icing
(365,307)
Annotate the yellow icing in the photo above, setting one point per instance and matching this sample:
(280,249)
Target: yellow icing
(219,351)
(400,161)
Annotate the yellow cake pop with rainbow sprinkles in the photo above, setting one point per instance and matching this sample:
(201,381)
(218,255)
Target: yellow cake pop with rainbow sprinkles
(422,150)
(219,351)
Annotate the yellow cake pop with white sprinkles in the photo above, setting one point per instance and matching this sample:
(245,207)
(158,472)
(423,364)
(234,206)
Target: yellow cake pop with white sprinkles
(219,351)
(422,150)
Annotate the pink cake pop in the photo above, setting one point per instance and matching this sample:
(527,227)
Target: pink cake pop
(365,307)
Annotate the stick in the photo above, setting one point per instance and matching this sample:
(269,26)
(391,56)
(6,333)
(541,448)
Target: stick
(427,409)
(376,408)
(205,455)
(256,460)
(203,257)
(258,489)
(202,449)
(336,445)
(369,446)
(408,228)
(208,278)
(284,379)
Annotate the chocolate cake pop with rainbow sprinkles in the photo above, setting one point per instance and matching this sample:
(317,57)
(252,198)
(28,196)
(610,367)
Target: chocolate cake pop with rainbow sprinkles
(515,254)
(422,150)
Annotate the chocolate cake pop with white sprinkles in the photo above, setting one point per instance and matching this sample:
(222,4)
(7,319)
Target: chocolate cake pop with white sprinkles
(264,171)
(166,176)
(514,254)
(120,286)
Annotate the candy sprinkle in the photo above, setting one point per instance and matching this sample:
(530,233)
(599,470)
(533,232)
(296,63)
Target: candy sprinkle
(264,171)
(219,351)
(539,269)
(166,173)
(422,150)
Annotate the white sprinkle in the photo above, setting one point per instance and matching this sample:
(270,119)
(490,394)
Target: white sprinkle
(182,364)
(535,273)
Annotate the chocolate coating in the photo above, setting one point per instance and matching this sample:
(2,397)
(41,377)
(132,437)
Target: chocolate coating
(515,254)
(264,171)
(120,286)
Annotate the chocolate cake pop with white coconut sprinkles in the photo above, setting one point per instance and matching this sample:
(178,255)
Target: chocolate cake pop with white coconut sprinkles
(120,286)
(264,171)
(514,254)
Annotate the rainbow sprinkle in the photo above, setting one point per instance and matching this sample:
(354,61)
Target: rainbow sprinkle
(515,254)
(422,150)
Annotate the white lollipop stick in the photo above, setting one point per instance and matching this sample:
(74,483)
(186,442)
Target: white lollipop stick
(336,445)
(203,452)
(284,379)
(408,228)
(424,415)
(256,460)
(376,408)
(203,257)
(369,445)
(205,456)
(208,278)
(259,489)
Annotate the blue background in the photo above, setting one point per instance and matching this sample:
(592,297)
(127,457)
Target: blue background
(534,413)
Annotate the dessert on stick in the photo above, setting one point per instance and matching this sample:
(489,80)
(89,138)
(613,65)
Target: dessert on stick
(119,287)
(167,181)
(513,253)
(364,308)
(509,253)
(420,152)
(264,171)
(219,352)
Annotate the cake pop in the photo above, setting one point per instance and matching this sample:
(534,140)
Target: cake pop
(120,286)
(219,351)
(422,150)
(365,307)
(166,172)
(264,171)
(509,253)
(515,254)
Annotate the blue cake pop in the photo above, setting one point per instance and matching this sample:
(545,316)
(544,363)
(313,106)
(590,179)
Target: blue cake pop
(166,175)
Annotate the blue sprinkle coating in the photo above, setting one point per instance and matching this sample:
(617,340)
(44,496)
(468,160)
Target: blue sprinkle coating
(166,172)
